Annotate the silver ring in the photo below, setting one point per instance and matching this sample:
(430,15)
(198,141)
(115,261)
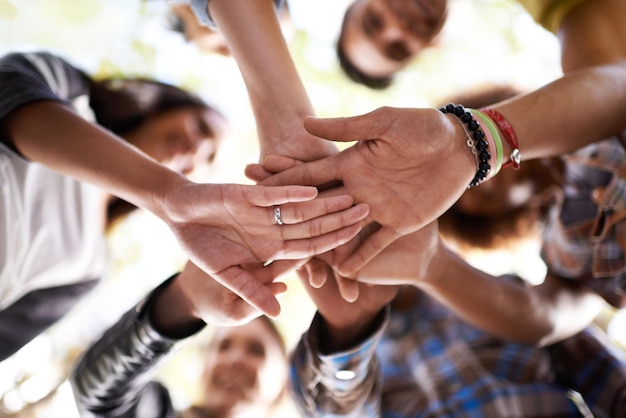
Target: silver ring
(277,219)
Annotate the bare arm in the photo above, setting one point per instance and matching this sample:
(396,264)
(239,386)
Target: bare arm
(234,221)
(277,94)
(507,308)
(65,142)
(345,324)
(589,102)
(542,314)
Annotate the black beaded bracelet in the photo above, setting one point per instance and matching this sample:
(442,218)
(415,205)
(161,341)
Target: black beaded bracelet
(475,140)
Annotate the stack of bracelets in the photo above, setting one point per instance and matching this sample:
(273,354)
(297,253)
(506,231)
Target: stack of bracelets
(486,142)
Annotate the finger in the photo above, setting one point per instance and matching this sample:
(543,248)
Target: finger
(275,163)
(243,284)
(325,224)
(314,173)
(302,248)
(340,254)
(272,271)
(317,273)
(371,125)
(256,172)
(335,189)
(277,288)
(348,289)
(296,213)
(270,165)
(370,248)
(271,196)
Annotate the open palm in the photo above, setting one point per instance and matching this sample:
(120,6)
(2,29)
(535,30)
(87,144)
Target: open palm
(236,228)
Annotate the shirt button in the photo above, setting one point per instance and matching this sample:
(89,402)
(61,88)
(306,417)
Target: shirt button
(345,375)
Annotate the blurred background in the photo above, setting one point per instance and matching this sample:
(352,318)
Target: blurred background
(132,37)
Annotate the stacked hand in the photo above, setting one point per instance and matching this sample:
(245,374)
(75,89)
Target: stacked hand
(409,166)
(346,322)
(235,232)
(215,304)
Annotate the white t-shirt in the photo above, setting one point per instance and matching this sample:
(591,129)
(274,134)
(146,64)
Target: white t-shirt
(51,226)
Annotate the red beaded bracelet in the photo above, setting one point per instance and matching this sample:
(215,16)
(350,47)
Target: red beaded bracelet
(509,134)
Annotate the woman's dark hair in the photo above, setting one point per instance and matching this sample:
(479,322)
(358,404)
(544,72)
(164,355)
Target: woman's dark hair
(123,104)
(351,71)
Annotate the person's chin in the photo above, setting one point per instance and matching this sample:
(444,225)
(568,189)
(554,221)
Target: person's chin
(227,397)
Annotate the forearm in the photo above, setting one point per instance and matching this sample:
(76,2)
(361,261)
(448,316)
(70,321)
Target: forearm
(278,97)
(172,314)
(506,308)
(110,378)
(342,325)
(584,106)
(65,142)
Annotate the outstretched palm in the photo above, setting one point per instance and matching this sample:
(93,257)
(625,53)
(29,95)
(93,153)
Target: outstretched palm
(236,228)
(408,166)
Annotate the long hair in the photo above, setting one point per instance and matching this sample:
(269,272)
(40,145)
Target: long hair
(123,104)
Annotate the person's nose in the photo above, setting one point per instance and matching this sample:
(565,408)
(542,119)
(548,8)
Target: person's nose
(187,165)
(392,31)
(237,356)
(190,142)
(393,37)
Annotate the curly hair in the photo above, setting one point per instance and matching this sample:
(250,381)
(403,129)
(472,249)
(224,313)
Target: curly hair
(468,229)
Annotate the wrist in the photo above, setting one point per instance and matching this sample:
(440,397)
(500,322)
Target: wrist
(437,269)
(167,200)
(170,313)
(475,140)
(342,335)
(505,130)
(290,138)
(464,159)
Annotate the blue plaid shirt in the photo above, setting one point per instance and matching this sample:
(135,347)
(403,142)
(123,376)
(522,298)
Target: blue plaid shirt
(426,362)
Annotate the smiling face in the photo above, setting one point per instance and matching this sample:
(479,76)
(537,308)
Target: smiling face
(246,368)
(380,37)
(181,139)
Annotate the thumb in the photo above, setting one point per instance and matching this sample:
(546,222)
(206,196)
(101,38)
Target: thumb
(276,163)
(356,128)
(256,172)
